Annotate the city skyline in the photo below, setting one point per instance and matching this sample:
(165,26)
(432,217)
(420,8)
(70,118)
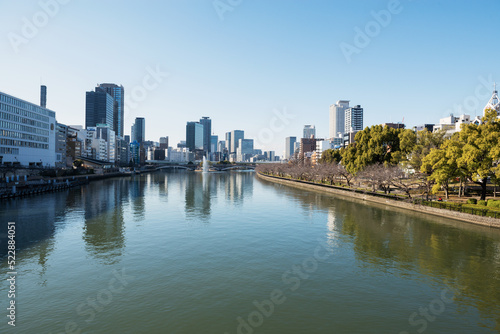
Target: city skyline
(244,78)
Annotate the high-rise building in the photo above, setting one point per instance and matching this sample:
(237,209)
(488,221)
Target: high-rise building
(164,142)
(135,152)
(353,119)
(337,118)
(228,142)
(290,147)
(309,131)
(99,108)
(194,136)
(213,143)
(43,96)
(207,132)
(138,131)
(104,142)
(245,149)
(236,135)
(27,133)
(307,145)
(118,95)
(269,155)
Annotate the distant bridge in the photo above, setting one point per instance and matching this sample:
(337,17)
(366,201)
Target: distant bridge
(218,167)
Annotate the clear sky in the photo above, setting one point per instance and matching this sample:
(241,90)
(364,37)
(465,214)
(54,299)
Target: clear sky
(242,61)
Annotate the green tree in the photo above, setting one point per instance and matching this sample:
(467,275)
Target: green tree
(331,156)
(416,146)
(375,144)
(441,165)
(481,152)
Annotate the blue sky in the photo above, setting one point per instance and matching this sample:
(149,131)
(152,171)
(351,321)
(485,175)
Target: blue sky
(263,57)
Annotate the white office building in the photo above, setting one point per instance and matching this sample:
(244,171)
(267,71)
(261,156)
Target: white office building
(353,119)
(178,155)
(337,118)
(27,133)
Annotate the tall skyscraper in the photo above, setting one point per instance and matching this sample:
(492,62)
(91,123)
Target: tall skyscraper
(43,96)
(309,130)
(236,135)
(207,132)
(245,149)
(194,136)
(337,118)
(138,131)
(353,119)
(213,143)
(290,147)
(228,142)
(99,107)
(118,94)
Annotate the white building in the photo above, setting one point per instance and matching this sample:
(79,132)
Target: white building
(493,103)
(337,118)
(353,119)
(323,145)
(178,155)
(27,133)
(102,143)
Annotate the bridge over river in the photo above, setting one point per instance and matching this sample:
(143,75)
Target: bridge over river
(215,167)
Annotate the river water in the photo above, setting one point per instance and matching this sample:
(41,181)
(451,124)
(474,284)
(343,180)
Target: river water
(185,252)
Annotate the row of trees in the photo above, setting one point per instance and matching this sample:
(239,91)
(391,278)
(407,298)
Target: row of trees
(385,157)
(376,176)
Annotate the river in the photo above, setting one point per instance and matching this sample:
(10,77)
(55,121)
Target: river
(185,252)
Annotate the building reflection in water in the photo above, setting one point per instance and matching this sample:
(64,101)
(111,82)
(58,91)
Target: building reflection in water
(198,192)
(138,185)
(104,224)
(36,219)
(239,186)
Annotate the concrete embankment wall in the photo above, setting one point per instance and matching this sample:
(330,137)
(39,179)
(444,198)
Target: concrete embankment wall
(465,217)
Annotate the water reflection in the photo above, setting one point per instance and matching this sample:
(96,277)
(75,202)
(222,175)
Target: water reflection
(411,245)
(103,231)
(35,219)
(138,185)
(198,193)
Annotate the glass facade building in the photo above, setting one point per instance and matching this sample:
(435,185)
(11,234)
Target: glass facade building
(99,108)
(138,131)
(194,136)
(207,132)
(118,95)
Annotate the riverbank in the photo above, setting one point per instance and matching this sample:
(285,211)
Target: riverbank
(345,192)
(22,188)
